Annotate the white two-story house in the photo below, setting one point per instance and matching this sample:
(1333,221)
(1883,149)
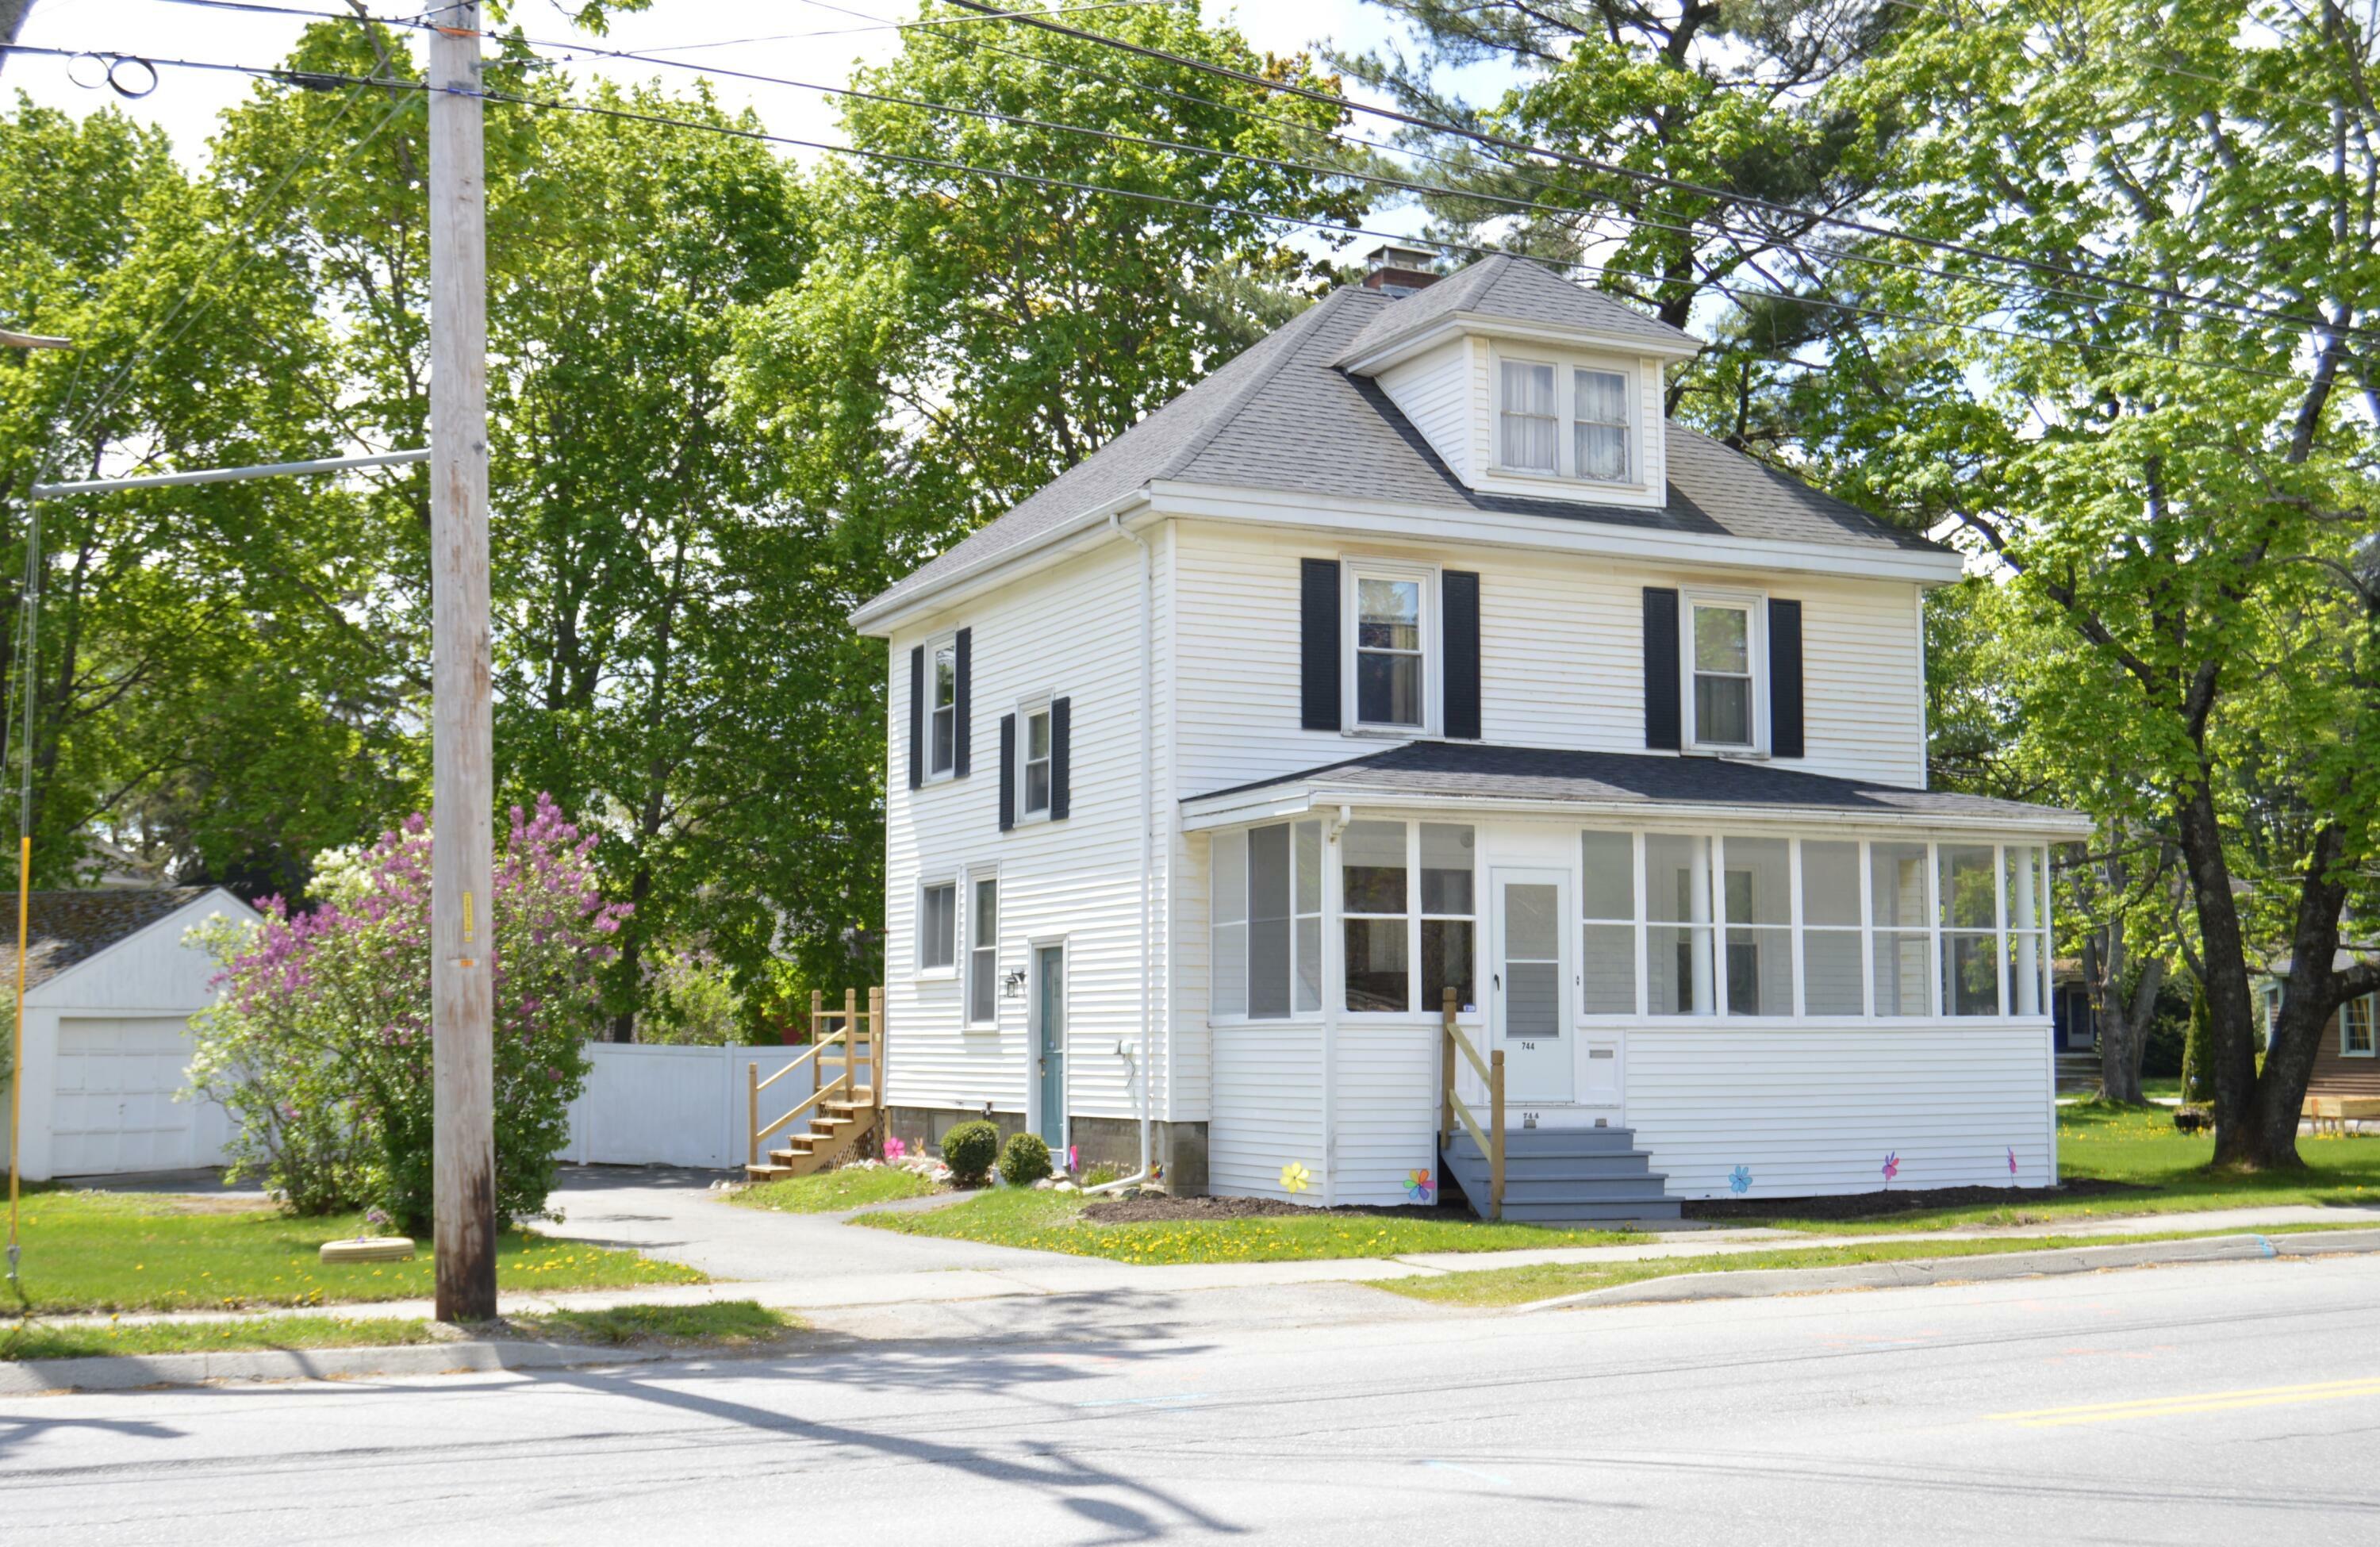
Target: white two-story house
(1415,650)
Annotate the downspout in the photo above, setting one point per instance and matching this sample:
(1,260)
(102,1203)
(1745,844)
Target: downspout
(1141,1059)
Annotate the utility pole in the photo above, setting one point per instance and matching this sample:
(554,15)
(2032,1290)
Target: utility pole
(462,749)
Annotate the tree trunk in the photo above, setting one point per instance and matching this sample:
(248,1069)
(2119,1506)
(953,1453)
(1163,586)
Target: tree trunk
(2230,1006)
(2124,1033)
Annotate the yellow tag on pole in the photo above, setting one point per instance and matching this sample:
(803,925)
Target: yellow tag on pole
(467,918)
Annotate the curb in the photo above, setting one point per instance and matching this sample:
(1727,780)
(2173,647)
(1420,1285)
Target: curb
(1915,1272)
(133,1372)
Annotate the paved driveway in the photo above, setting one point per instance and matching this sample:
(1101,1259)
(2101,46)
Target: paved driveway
(671,1212)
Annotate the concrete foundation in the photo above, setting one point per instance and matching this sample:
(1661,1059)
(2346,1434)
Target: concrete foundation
(1179,1148)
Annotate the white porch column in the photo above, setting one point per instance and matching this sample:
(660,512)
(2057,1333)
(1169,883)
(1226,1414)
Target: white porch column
(1698,913)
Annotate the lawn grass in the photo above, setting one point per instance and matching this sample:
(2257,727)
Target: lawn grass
(721,1324)
(99,1251)
(1053,1222)
(1503,1287)
(826,1191)
(2141,1148)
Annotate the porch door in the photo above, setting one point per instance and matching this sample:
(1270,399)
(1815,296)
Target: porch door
(1049,1017)
(1529,986)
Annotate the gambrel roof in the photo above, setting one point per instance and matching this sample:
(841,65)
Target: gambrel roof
(1286,416)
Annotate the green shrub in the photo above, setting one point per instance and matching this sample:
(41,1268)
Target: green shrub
(969,1149)
(1026,1160)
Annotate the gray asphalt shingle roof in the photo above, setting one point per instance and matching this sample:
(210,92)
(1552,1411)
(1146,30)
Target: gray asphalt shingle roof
(1472,770)
(1284,416)
(1517,290)
(68,927)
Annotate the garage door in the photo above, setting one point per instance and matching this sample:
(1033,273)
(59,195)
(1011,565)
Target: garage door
(115,1109)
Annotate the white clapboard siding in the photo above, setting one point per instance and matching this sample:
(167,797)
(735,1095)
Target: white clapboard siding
(1434,390)
(1071,632)
(1267,1082)
(1818,1110)
(1561,656)
(1386,1111)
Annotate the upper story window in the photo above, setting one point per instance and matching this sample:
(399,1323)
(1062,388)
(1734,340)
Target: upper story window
(1036,756)
(1390,662)
(1721,649)
(1533,411)
(942,718)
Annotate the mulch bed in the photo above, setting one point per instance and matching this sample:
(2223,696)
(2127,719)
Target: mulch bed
(1159,1209)
(1884,1205)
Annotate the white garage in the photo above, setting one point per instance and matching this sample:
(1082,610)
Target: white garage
(110,990)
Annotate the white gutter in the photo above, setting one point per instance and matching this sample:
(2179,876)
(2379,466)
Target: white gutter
(1141,1059)
(1214,812)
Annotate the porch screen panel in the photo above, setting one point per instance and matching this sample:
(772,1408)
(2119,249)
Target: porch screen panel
(2025,888)
(1373,900)
(1971,957)
(1230,910)
(1306,847)
(1759,916)
(1608,908)
(1678,930)
(1904,946)
(1268,923)
(1448,914)
(1830,929)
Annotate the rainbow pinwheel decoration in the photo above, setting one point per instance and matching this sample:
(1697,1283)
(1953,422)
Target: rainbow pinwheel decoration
(1418,1187)
(1294,1177)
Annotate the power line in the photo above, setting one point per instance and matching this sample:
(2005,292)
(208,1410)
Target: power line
(1177,202)
(878,25)
(1655,179)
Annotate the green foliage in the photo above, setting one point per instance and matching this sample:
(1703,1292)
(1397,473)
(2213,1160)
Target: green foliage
(2197,1069)
(1025,1160)
(321,1046)
(969,1149)
(691,1000)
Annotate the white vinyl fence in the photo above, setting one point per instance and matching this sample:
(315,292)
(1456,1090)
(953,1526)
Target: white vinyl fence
(671,1105)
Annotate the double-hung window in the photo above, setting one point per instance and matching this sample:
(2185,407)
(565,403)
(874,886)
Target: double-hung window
(1599,428)
(938,922)
(943,717)
(983,952)
(1529,430)
(1407,944)
(1392,662)
(1035,759)
(2355,1026)
(1721,652)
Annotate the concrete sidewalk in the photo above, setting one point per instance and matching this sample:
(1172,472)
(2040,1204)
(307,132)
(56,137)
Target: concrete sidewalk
(821,1267)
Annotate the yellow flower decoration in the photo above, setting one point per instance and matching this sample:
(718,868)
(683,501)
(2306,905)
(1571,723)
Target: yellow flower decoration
(1294,1177)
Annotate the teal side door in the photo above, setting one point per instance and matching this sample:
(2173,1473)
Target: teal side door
(1050,980)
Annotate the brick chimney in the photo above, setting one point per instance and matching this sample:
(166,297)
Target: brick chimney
(1400,270)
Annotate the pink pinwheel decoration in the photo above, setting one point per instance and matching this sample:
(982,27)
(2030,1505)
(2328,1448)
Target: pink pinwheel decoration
(1892,1165)
(894,1148)
(2011,1159)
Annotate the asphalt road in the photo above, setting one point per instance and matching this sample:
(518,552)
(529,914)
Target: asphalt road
(2238,1402)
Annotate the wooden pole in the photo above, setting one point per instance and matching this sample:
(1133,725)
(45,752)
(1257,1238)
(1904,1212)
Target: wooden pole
(876,1043)
(462,752)
(1495,1132)
(752,1113)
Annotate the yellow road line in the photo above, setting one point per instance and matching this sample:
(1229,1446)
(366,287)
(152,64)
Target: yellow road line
(2202,1402)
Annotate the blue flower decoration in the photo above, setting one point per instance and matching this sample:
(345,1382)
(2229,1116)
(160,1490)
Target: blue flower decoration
(1739,1181)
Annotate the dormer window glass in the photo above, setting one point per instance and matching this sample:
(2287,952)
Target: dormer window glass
(1388,652)
(1722,655)
(1600,430)
(1531,429)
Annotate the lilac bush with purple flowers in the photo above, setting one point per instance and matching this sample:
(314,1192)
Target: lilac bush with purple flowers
(321,1044)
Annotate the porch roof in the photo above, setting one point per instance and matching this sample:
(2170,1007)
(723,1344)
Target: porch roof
(1473,775)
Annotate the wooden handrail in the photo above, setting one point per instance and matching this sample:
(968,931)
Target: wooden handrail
(1452,1107)
(860,1042)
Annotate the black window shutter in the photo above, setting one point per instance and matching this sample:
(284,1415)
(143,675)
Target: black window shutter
(1663,693)
(1459,615)
(965,675)
(1062,755)
(1318,675)
(1007,772)
(917,716)
(1784,679)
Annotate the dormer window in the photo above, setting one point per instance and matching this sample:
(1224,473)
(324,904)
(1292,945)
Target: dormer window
(1600,430)
(1564,420)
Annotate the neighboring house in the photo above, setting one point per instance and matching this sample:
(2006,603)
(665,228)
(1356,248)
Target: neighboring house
(2347,1056)
(110,990)
(1415,650)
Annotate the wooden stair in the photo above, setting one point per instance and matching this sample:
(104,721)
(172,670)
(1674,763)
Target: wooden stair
(841,1128)
(1561,1176)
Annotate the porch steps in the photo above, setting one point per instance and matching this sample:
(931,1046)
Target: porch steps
(836,1134)
(1564,1175)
